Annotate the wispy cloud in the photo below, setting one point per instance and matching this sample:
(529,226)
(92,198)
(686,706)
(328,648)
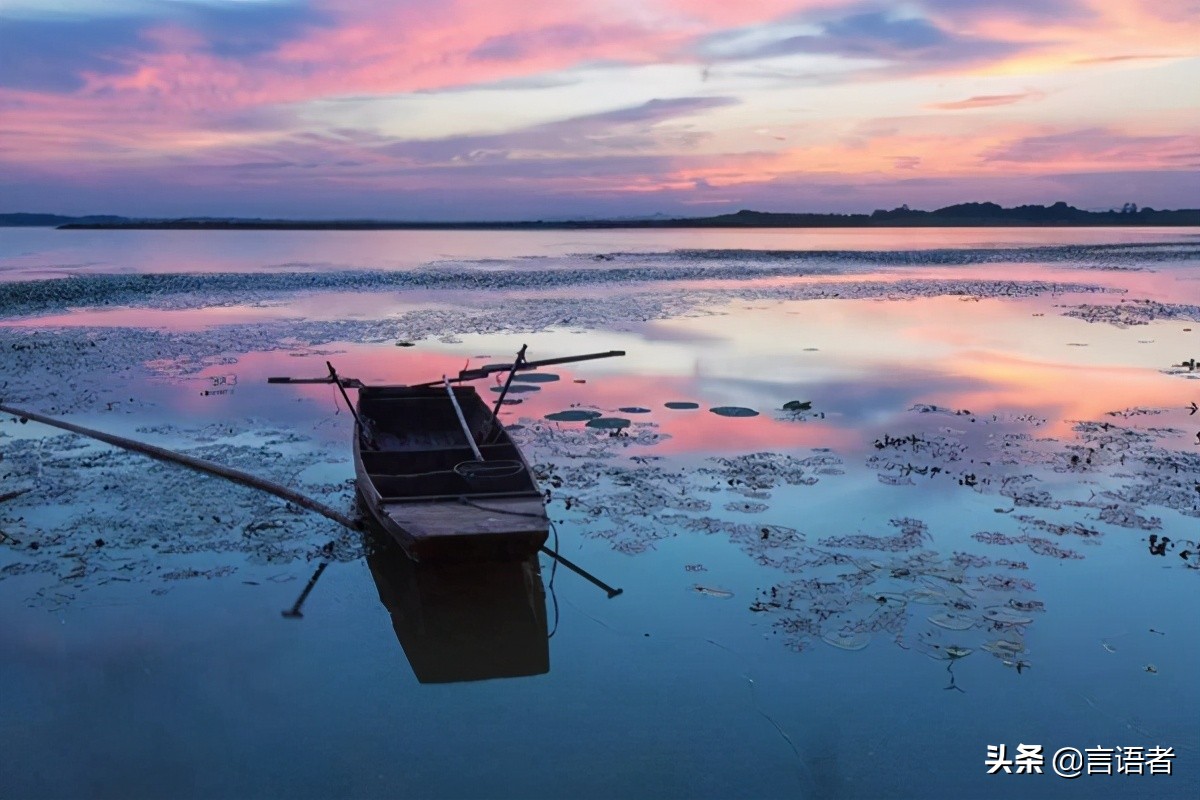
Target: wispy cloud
(1095,148)
(1118,59)
(879,38)
(987,101)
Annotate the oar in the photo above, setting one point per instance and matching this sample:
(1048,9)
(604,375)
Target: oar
(366,434)
(464,375)
(462,420)
(483,372)
(353,383)
(516,365)
(580,571)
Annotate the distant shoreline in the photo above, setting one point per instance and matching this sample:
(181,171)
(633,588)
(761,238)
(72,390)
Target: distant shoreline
(981,215)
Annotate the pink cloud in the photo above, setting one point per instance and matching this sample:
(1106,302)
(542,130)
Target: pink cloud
(176,103)
(1094,149)
(987,101)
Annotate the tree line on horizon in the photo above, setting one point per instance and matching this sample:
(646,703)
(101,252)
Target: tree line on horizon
(961,214)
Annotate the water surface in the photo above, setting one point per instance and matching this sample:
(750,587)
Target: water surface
(954,539)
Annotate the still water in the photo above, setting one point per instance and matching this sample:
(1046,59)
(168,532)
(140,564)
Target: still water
(955,505)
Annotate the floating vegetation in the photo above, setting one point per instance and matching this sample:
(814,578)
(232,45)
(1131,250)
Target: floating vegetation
(734,411)
(912,533)
(573,415)
(681,405)
(927,597)
(1002,615)
(848,639)
(517,388)
(608,423)
(1005,648)
(1134,312)
(103,530)
(633,410)
(535,377)
(710,591)
(798,411)
(746,508)
(953,622)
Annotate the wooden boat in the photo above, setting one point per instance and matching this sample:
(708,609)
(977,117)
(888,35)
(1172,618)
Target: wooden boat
(445,490)
(437,470)
(465,621)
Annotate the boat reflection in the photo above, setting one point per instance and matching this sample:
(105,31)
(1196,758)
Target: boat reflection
(464,621)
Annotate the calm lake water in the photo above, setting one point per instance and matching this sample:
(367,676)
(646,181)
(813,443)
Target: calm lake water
(976,525)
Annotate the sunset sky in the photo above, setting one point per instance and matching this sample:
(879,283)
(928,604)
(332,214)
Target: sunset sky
(478,109)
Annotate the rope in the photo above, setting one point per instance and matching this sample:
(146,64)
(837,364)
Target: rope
(553,572)
(473,504)
(491,470)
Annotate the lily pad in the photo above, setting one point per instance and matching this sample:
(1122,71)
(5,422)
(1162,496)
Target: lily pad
(573,415)
(1006,616)
(634,410)
(890,599)
(734,411)
(1005,647)
(535,377)
(926,597)
(405,344)
(682,405)
(797,405)
(848,640)
(608,423)
(517,388)
(952,622)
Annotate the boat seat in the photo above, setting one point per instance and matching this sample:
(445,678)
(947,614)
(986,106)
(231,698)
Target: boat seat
(421,440)
(448,485)
(408,462)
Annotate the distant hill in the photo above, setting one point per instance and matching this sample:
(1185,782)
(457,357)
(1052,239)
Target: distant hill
(56,220)
(961,215)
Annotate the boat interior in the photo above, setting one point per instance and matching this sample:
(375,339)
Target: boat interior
(416,442)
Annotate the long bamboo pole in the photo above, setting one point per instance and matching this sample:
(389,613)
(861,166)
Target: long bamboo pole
(198,464)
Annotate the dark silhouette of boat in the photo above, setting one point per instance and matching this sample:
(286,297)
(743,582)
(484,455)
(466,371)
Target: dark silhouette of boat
(464,621)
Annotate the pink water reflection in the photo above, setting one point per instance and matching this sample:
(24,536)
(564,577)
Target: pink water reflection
(989,383)
(601,388)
